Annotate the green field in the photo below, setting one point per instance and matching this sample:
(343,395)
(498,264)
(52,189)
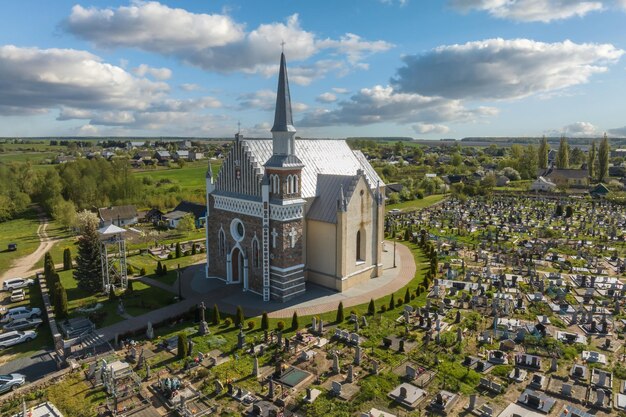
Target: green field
(416,204)
(190,177)
(22,231)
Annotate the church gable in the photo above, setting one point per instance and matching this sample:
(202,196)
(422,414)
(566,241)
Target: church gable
(240,173)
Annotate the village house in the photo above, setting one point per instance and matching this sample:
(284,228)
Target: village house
(570,178)
(118,216)
(162,156)
(184,208)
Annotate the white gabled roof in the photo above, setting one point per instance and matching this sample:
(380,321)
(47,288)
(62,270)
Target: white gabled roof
(319,156)
(111,230)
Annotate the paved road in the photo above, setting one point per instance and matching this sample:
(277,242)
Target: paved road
(35,366)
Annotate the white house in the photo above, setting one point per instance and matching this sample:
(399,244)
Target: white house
(542,184)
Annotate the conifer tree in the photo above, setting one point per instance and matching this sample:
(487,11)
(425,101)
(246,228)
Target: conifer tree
(265,321)
(592,161)
(603,159)
(159,269)
(239,318)
(392,302)
(88,272)
(216,315)
(542,153)
(48,269)
(562,156)
(67,259)
(60,308)
(340,316)
(371,308)
(295,325)
(178,250)
(182,346)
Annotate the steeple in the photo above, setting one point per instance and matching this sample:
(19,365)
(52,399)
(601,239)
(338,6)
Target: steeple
(283,132)
(283,121)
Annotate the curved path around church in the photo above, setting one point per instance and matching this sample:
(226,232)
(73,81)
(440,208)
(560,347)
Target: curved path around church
(317,299)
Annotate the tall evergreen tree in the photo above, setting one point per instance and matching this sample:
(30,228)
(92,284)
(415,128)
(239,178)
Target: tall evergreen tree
(562,156)
(371,308)
(591,161)
(392,302)
(265,321)
(67,259)
(48,269)
(295,324)
(239,317)
(340,316)
(216,315)
(60,307)
(182,346)
(88,272)
(178,250)
(603,159)
(542,153)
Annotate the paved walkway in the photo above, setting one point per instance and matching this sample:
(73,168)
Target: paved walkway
(317,300)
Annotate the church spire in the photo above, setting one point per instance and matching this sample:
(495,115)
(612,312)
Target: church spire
(283,121)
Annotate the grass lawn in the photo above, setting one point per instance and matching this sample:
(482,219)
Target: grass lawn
(36,158)
(143,299)
(416,204)
(148,262)
(22,231)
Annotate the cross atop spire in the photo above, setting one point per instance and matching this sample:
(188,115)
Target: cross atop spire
(283,121)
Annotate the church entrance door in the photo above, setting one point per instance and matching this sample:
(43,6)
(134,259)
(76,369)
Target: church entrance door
(239,265)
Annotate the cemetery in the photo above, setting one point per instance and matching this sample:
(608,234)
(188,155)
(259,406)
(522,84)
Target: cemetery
(517,311)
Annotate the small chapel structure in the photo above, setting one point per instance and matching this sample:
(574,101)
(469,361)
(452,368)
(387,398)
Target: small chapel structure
(287,211)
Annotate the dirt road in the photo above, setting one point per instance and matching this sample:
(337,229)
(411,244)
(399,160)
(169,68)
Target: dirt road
(25,266)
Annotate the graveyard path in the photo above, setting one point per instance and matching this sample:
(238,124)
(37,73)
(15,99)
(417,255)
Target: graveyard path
(156,283)
(24,266)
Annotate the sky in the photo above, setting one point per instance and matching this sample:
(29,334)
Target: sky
(427,69)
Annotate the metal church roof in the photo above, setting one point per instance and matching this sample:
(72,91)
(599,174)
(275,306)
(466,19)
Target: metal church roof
(319,156)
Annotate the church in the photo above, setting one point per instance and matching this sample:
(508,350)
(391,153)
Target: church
(285,212)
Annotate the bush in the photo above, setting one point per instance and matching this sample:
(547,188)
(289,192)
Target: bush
(251,325)
(392,302)
(193,249)
(399,302)
(159,269)
(202,373)
(383,308)
(178,250)
(295,325)
(265,321)
(340,316)
(170,256)
(407,296)
(280,325)
(227,322)
(130,270)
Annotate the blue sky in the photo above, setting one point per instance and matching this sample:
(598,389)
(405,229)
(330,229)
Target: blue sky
(419,68)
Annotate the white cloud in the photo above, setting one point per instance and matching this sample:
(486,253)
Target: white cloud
(382,104)
(211,41)
(160,74)
(529,10)
(326,98)
(428,128)
(340,90)
(34,80)
(577,129)
(400,2)
(262,99)
(88,130)
(190,87)
(503,69)
(620,132)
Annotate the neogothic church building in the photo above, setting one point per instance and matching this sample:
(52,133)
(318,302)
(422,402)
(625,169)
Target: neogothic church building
(287,211)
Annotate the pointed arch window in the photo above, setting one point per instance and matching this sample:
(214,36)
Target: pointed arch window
(256,262)
(275,183)
(221,242)
(360,245)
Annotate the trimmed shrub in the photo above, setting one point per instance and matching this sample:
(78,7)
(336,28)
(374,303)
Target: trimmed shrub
(340,316)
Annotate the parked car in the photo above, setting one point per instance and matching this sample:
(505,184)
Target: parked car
(22,324)
(18,295)
(15,283)
(13,338)
(21,313)
(11,382)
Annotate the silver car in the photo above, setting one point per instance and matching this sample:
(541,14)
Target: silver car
(21,313)
(11,382)
(15,283)
(22,324)
(13,338)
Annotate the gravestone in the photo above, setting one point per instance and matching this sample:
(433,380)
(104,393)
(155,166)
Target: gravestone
(336,388)
(411,373)
(357,355)
(271,389)
(241,339)
(472,402)
(313,324)
(350,377)
(336,368)
(150,331)
(566,390)
(363,321)
(459,335)
(203,328)
(218,386)
(554,365)
(375,367)
(255,367)
(600,397)
(280,338)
